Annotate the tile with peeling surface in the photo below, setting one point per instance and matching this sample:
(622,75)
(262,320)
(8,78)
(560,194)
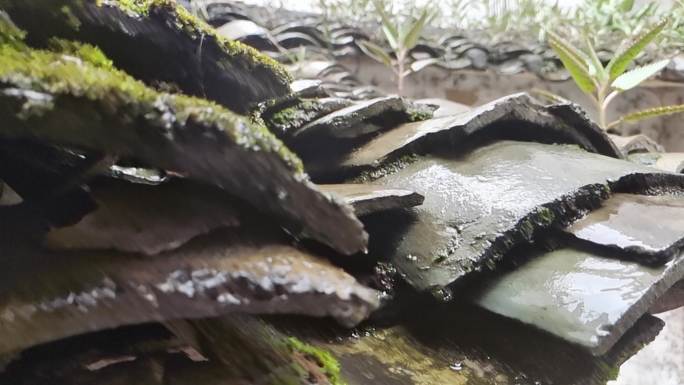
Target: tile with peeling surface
(578,296)
(649,227)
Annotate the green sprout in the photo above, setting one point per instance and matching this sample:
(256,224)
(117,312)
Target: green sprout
(603,83)
(402,38)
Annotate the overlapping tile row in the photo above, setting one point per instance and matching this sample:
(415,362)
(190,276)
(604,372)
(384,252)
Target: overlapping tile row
(176,221)
(275,31)
(489,191)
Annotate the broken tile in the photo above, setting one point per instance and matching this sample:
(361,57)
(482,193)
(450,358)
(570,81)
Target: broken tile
(49,296)
(578,296)
(146,219)
(651,228)
(367,199)
(524,118)
(482,203)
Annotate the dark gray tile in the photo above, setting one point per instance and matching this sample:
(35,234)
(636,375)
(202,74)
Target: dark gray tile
(50,296)
(650,227)
(518,115)
(578,296)
(478,206)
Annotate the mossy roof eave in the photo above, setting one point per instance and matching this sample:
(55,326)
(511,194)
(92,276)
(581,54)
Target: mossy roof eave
(198,60)
(104,109)
(188,20)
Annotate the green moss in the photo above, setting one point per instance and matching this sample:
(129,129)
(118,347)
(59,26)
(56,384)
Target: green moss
(96,80)
(545,215)
(85,52)
(141,7)
(418,115)
(9,33)
(285,116)
(386,168)
(609,371)
(197,28)
(328,363)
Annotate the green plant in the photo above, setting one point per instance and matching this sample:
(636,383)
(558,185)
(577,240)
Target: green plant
(604,83)
(402,36)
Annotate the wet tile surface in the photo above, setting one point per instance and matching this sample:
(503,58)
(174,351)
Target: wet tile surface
(367,199)
(580,297)
(478,206)
(50,296)
(533,122)
(652,227)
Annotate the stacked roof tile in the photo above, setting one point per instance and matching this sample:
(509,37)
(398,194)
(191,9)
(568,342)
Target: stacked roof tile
(277,31)
(265,231)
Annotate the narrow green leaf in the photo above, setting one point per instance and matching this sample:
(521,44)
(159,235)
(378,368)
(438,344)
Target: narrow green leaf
(630,49)
(552,97)
(376,52)
(579,56)
(388,26)
(648,113)
(598,69)
(411,39)
(633,78)
(577,69)
(391,38)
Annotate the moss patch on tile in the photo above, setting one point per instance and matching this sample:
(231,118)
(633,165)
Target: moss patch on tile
(199,60)
(325,360)
(94,77)
(196,27)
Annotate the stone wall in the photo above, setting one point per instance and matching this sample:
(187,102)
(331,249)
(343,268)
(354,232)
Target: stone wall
(477,87)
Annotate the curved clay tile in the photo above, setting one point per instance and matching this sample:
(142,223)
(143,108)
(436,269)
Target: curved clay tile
(66,294)
(194,57)
(523,118)
(481,203)
(111,113)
